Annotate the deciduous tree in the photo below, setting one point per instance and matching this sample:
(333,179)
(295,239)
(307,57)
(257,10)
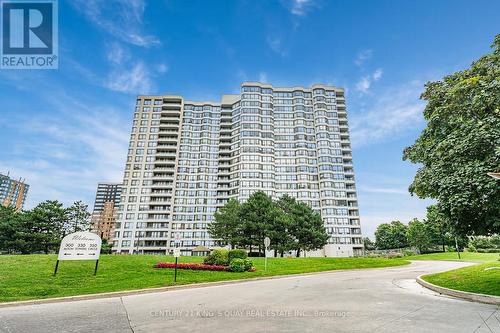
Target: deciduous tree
(418,235)
(391,236)
(460,145)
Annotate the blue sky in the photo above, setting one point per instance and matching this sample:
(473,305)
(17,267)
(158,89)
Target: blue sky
(64,130)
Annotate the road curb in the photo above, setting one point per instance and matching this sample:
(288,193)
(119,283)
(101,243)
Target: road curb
(134,292)
(473,297)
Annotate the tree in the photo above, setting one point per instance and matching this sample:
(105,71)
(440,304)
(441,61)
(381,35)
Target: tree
(226,227)
(290,225)
(42,228)
(14,234)
(307,229)
(439,230)
(460,145)
(78,218)
(383,237)
(418,235)
(282,239)
(368,244)
(6,227)
(257,215)
(46,222)
(399,234)
(391,236)
(106,248)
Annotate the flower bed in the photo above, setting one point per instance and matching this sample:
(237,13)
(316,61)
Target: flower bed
(194,266)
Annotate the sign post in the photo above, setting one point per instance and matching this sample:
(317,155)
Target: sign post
(267,242)
(177,254)
(81,245)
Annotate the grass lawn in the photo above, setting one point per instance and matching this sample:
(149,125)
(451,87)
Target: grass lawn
(26,277)
(466,256)
(473,279)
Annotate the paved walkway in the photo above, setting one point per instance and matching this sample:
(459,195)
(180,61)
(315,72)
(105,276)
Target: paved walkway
(376,300)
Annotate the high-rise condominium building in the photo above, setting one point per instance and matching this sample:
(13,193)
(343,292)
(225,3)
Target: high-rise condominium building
(186,159)
(104,215)
(12,192)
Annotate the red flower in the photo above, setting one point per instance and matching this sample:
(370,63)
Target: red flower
(194,266)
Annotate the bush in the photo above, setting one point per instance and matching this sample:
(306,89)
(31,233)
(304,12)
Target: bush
(407,253)
(483,242)
(240,265)
(374,255)
(488,250)
(217,257)
(237,253)
(249,265)
(471,248)
(393,255)
(450,249)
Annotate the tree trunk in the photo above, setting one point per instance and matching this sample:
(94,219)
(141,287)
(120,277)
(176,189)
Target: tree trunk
(298,252)
(275,253)
(282,253)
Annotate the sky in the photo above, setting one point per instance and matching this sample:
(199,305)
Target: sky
(65,130)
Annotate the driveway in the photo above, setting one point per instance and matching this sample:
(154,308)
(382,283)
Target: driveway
(369,300)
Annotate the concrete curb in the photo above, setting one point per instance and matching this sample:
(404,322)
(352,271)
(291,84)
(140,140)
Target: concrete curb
(134,292)
(473,297)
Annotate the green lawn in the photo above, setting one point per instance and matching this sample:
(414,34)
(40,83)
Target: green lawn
(26,277)
(466,256)
(473,279)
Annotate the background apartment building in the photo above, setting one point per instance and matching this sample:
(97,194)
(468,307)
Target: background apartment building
(13,192)
(186,159)
(104,215)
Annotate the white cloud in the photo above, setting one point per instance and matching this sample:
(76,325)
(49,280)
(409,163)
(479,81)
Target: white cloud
(377,75)
(363,56)
(136,80)
(300,7)
(121,18)
(364,84)
(82,145)
(392,112)
(263,77)
(117,54)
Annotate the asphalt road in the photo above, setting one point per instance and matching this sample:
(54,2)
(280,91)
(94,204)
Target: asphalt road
(370,300)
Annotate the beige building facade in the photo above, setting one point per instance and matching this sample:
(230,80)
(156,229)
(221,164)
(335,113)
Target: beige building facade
(187,158)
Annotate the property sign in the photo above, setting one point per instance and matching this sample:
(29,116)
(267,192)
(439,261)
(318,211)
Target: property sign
(267,242)
(177,252)
(82,245)
(177,237)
